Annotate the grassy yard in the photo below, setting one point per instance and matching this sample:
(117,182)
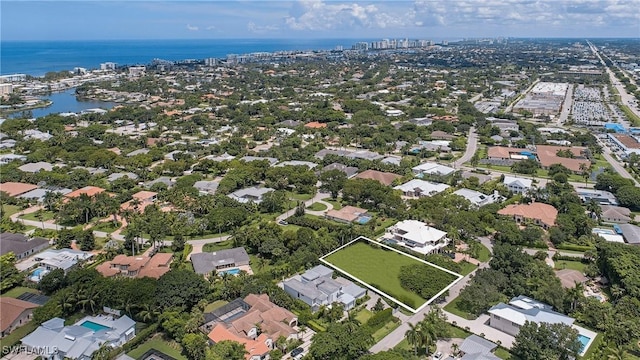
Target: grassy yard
(377,267)
(159,344)
(452,307)
(502,353)
(385,330)
(300,197)
(337,204)
(211,247)
(573,265)
(317,207)
(254,261)
(466,267)
(483,254)
(10,209)
(215,305)
(363,315)
(46,215)
(106,226)
(633,118)
(17,291)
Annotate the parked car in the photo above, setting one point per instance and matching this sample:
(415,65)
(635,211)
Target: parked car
(282,222)
(296,352)
(437,356)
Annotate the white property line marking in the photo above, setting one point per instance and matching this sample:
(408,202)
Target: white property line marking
(380,292)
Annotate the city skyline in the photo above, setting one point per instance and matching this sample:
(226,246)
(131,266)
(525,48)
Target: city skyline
(425,19)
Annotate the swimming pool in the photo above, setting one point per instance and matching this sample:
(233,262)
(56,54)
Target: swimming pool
(363,219)
(94,326)
(37,272)
(231,271)
(584,340)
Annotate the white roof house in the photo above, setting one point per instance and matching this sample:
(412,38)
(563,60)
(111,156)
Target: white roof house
(35,167)
(419,188)
(430,168)
(81,340)
(416,236)
(517,185)
(510,317)
(477,198)
(308,164)
(252,194)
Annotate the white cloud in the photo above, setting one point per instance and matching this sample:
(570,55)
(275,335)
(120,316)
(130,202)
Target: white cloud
(260,29)
(192,28)
(322,15)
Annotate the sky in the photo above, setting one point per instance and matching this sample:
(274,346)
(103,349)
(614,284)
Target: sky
(418,19)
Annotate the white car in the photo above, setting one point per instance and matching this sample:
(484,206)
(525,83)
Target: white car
(437,356)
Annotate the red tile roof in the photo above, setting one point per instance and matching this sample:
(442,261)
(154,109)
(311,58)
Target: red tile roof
(547,214)
(89,190)
(382,177)
(315,125)
(16,188)
(11,309)
(547,155)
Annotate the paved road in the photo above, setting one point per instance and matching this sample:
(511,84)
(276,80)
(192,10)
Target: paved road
(617,166)
(472,147)
(626,98)
(566,106)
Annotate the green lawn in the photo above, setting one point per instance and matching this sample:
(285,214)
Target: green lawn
(159,344)
(377,267)
(573,265)
(466,267)
(502,353)
(211,247)
(17,291)
(255,260)
(215,305)
(106,226)
(452,307)
(317,207)
(10,209)
(483,254)
(385,330)
(337,204)
(363,315)
(300,197)
(46,215)
(633,118)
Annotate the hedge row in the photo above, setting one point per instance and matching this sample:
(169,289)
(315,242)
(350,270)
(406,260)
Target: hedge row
(313,223)
(573,247)
(379,319)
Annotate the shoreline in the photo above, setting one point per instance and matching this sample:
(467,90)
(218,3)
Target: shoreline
(44,104)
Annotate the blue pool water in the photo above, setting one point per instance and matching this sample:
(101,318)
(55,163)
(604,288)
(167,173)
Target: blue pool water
(37,272)
(231,271)
(94,326)
(584,340)
(363,220)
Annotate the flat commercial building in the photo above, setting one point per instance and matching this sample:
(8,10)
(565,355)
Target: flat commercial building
(544,99)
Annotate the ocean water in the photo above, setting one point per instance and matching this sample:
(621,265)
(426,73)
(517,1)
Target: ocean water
(38,57)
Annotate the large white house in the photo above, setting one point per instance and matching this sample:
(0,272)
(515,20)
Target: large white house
(510,317)
(431,168)
(54,341)
(416,236)
(517,185)
(316,287)
(477,198)
(420,188)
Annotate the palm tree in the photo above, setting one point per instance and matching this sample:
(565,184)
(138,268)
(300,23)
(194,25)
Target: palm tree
(594,209)
(617,353)
(413,337)
(428,334)
(575,294)
(455,348)
(616,291)
(148,313)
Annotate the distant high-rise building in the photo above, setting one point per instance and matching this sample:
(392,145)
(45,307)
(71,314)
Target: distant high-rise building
(108,66)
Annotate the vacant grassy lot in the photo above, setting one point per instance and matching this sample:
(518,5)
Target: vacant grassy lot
(211,247)
(377,267)
(215,305)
